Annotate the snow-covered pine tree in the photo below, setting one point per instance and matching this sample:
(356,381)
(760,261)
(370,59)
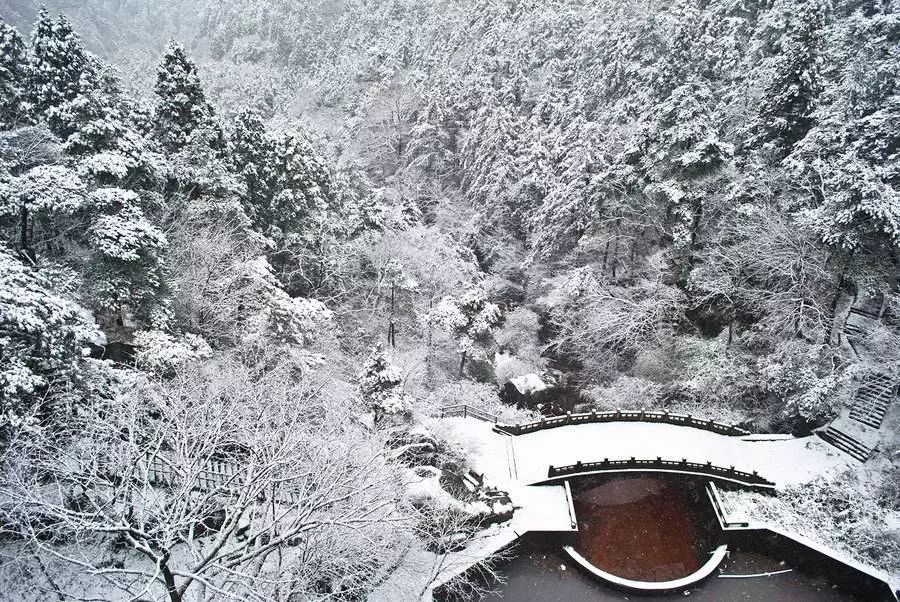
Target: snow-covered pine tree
(848,164)
(470,319)
(43,195)
(95,120)
(489,167)
(795,81)
(125,269)
(684,152)
(182,106)
(57,61)
(12,77)
(251,152)
(380,385)
(41,339)
(303,181)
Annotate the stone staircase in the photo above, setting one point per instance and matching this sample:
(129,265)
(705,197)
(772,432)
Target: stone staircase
(847,443)
(856,432)
(857,320)
(872,398)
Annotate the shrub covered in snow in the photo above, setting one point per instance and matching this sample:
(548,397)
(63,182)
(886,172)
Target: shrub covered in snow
(847,512)
(164,353)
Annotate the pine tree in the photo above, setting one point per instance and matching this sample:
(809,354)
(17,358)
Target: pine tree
(251,152)
(96,119)
(12,76)
(470,319)
(126,275)
(380,385)
(786,108)
(57,62)
(44,193)
(304,184)
(41,339)
(182,106)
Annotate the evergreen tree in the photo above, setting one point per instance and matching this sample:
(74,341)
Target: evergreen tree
(41,339)
(12,76)
(303,181)
(381,385)
(95,120)
(795,82)
(182,106)
(57,62)
(470,319)
(45,194)
(251,152)
(684,153)
(126,275)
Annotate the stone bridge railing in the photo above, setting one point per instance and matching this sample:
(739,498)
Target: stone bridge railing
(466,411)
(748,479)
(621,416)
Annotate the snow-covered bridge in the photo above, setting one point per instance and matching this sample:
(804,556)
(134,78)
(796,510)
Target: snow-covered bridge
(526,459)
(517,463)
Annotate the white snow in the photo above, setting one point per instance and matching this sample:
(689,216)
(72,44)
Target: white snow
(784,461)
(529,383)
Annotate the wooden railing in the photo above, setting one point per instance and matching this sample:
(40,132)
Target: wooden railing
(750,479)
(622,416)
(214,476)
(467,412)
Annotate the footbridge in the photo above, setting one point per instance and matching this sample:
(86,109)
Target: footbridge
(535,461)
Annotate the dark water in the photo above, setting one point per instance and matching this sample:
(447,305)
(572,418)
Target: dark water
(539,576)
(645,528)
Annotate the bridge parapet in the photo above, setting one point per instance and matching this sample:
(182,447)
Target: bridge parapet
(730,474)
(622,416)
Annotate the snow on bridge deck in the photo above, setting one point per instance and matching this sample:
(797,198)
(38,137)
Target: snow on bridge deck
(784,461)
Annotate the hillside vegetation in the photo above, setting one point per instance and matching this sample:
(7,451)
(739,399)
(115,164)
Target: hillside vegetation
(251,231)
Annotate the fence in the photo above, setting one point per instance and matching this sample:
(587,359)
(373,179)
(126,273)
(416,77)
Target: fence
(213,476)
(750,479)
(621,416)
(467,412)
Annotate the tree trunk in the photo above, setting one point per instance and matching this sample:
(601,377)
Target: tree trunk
(169,578)
(615,253)
(24,242)
(462,363)
(697,215)
(392,341)
(430,343)
(834,305)
(605,256)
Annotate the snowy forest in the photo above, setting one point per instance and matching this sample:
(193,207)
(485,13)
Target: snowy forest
(263,243)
